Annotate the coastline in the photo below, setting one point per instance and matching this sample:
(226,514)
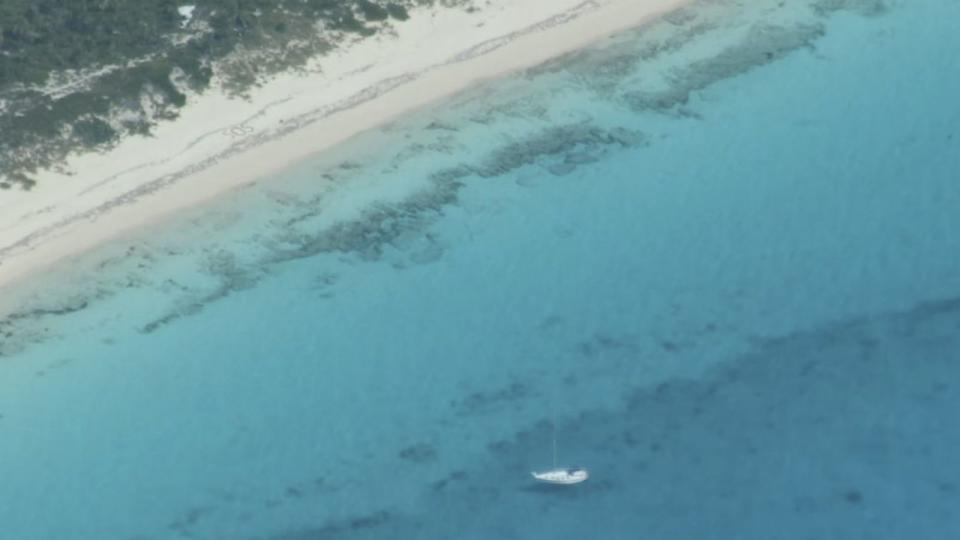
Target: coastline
(220,144)
(704,233)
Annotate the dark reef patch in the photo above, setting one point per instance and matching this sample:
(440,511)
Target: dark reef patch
(611,69)
(23,328)
(853,496)
(867,8)
(805,427)
(450,479)
(379,524)
(419,453)
(600,344)
(403,226)
(190,520)
(576,144)
(762,45)
(481,402)
(369,235)
(233,277)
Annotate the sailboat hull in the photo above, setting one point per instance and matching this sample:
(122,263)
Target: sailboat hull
(561,476)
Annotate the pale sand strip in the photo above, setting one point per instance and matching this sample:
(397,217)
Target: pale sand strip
(219,144)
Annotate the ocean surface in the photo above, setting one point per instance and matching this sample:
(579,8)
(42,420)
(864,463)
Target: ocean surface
(721,254)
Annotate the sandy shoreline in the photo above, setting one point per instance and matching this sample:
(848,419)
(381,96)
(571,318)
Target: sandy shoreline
(219,144)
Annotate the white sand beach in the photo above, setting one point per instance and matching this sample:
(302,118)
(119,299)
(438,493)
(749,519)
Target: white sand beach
(220,143)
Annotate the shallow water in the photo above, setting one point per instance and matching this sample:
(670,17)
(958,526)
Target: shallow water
(720,250)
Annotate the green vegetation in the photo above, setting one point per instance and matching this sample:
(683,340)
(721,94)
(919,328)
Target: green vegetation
(371,11)
(397,11)
(77,75)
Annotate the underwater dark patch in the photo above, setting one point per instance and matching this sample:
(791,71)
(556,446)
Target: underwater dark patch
(419,453)
(482,402)
(371,523)
(21,329)
(577,144)
(802,426)
(762,45)
(391,225)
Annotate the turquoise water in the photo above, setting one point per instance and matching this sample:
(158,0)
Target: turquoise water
(721,252)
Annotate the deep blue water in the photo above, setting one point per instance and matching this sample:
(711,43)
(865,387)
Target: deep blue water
(722,251)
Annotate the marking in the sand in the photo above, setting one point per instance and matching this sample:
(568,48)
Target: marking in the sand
(239,130)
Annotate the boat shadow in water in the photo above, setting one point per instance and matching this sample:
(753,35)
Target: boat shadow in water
(554,490)
(564,491)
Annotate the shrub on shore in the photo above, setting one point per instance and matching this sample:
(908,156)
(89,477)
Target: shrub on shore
(69,70)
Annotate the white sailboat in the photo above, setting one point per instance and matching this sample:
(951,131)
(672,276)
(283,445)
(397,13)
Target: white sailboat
(560,475)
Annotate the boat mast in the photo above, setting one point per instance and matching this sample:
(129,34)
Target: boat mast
(554,443)
(555,385)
